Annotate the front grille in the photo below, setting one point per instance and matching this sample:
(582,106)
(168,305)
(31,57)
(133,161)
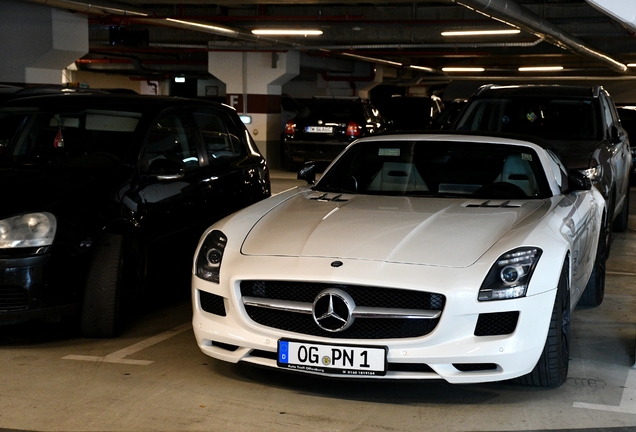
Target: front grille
(212,303)
(13,298)
(362,328)
(496,324)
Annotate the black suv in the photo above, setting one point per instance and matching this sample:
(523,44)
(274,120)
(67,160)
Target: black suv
(323,128)
(91,184)
(580,123)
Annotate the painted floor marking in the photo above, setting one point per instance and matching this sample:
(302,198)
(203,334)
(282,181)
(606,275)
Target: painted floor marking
(120,356)
(628,401)
(620,273)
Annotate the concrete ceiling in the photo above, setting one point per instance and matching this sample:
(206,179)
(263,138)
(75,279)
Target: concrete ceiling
(584,39)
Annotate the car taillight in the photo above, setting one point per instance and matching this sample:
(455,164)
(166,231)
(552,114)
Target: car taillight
(290,128)
(353,130)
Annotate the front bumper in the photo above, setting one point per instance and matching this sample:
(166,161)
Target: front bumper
(451,351)
(30,288)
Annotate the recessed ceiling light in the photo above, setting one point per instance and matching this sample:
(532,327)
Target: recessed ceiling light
(285,32)
(540,68)
(463,69)
(480,32)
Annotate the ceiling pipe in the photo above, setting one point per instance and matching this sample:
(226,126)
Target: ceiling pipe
(511,13)
(622,12)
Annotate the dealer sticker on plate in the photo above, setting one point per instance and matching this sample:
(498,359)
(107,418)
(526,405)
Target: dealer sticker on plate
(332,359)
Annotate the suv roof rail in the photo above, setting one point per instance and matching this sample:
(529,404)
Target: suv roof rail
(484,87)
(596,90)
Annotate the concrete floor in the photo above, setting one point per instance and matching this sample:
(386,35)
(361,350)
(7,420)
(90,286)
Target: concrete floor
(154,378)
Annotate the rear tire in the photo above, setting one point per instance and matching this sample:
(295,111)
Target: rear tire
(552,368)
(102,294)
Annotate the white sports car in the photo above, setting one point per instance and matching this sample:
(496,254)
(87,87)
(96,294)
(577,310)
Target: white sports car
(414,256)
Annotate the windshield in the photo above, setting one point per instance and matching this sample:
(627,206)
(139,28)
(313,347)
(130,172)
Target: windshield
(547,118)
(437,168)
(88,138)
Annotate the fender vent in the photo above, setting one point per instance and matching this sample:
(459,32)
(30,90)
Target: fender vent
(492,204)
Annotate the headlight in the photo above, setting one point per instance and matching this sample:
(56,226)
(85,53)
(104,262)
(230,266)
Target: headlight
(208,262)
(27,230)
(594,173)
(510,275)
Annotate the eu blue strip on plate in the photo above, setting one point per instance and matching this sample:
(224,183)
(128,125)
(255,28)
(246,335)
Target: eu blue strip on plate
(283,349)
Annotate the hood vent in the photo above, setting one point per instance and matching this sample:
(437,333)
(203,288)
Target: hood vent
(326,198)
(493,204)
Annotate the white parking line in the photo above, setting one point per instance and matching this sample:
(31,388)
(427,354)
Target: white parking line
(119,356)
(628,401)
(620,273)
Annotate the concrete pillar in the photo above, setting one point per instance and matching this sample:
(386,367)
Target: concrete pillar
(253,86)
(37,42)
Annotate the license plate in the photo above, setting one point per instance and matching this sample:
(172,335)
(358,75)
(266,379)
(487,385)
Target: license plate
(333,359)
(319,129)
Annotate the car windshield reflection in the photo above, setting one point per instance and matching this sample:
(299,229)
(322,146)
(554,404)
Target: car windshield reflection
(437,168)
(89,138)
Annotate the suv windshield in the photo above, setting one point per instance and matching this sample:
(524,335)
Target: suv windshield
(91,138)
(437,168)
(556,118)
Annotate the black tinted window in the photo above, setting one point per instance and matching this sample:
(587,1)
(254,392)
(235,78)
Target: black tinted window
(548,118)
(172,138)
(90,138)
(219,137)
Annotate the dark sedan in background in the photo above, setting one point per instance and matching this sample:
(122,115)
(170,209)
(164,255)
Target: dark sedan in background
(94,187)
(323,128)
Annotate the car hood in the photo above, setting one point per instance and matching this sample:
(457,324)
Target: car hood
(37,189)
(576,154)
(415,230)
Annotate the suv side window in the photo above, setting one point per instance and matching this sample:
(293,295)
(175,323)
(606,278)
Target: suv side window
(220,139)
(172,137)
(607,115)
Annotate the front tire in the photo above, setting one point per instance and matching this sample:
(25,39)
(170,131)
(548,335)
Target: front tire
(102,294)
(552,368)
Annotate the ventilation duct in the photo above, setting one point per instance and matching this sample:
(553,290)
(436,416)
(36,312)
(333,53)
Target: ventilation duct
(511,13)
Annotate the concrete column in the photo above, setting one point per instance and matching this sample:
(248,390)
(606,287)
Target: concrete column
(37,42)
(253,86)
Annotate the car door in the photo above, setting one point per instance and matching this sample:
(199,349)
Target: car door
(171,170)
(618,147)
(228,174)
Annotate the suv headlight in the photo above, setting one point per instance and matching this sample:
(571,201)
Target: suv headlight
(28,230)
(509,277)
(594,173)
(208,262)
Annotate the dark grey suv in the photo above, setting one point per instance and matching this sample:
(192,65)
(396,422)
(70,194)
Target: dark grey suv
(582,125)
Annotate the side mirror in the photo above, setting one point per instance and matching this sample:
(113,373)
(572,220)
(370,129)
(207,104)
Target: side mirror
(577,181)
(165,170)
(308,173)
(616,135)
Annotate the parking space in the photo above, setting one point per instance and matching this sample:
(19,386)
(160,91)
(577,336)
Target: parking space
(153,378)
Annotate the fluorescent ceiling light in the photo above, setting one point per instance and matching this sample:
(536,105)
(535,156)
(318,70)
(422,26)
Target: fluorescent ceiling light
(480,32)
(212,28)
(540,68)
(284,32)
(631,64)
(373,60)
(463,69)
(424,68)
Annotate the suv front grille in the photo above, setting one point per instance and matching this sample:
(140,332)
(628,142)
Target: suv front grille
(363,296)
